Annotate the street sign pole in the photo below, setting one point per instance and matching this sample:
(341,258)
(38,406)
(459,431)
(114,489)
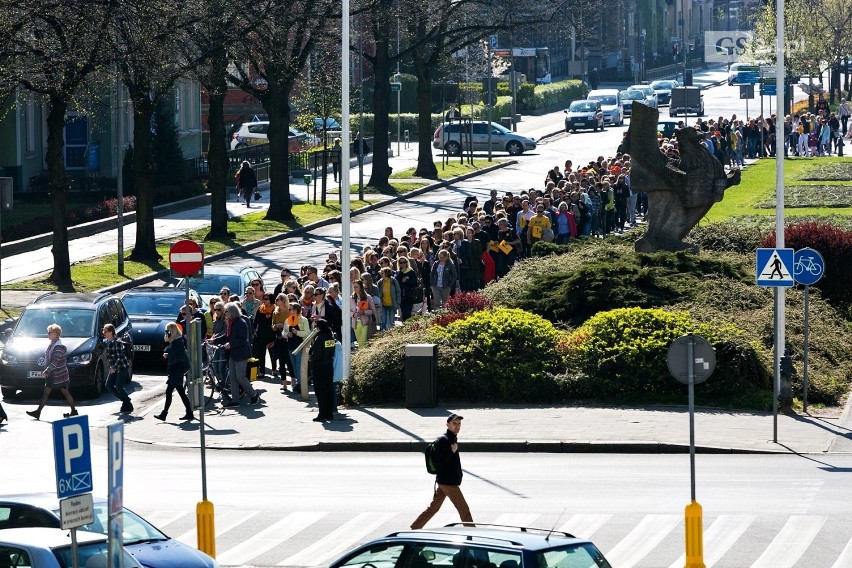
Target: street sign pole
(690,357)
(805,354)
(808,268)
(780,320)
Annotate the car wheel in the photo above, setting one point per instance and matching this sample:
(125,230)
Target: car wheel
(514,148)
(8,392)
(453,148)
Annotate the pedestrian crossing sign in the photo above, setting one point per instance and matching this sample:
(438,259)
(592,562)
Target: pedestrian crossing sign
(775,267)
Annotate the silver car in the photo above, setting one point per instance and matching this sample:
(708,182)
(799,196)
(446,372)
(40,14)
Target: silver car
(650,95)
(452,138)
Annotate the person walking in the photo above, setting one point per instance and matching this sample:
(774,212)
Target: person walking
(239,347)
(55,372)
(118,366)
(177,364)
(321,357)
(246,182)
(449,476)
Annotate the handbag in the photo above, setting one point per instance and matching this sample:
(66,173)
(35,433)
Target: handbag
(372,327)
(256,195)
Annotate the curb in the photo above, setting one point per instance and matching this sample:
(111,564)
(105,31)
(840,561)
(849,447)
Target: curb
(481,446)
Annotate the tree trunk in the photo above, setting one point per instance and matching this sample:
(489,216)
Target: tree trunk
(217,159)
(145,249)
(425,162)
(381,121)
(61,275)
(277,106)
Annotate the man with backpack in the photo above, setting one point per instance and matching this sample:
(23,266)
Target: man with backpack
(442,459)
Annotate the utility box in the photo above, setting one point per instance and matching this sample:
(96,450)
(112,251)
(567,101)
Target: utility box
(421,375)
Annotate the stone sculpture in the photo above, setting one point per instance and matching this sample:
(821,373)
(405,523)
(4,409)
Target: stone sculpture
(680,191)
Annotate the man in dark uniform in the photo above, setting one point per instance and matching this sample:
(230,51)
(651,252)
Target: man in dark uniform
(321,357)
(449,476)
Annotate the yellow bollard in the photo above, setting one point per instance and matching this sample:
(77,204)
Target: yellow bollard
(206,531)
(694,530)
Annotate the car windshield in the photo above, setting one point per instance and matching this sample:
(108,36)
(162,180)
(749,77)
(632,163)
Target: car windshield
(584,555)
(605,99)
(136,529)
(153,305)
(661,85)
(582,106)
(632,95)
(90,555)
(212,283)
(75,322)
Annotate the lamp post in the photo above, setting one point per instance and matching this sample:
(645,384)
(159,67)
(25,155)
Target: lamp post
(642,54)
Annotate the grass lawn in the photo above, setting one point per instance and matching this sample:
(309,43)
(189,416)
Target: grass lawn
(808,195)
(101,272)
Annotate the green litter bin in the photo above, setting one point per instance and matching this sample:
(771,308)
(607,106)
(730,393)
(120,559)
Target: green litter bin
(307,179)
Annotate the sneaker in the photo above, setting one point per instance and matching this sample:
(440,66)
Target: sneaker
(255,399)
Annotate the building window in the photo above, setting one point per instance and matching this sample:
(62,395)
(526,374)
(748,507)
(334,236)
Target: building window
(76,140)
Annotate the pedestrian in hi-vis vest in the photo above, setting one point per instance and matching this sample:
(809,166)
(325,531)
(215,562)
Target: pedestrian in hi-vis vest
(444,452)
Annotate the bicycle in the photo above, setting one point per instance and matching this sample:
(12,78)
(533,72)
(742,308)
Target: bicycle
(807,264)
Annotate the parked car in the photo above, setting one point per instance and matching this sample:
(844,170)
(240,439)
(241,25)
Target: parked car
(451,138)
(610,100)
(147,544)
(215,277)
(257,133)
(687,101)
(40,547)
(630,96)
(584,114)
(475,546)
(650,95)
(663,88)
(329,123)
(150,309)
(82,317)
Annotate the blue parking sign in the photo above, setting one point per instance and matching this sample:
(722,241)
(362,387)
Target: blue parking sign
(72,456)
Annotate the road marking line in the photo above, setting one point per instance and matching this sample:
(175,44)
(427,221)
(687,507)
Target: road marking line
(721,536)
(642,540)
(845,558)
(190,537)
(164,518)
(791,543)
(269,538)
(338,541)
(585,525)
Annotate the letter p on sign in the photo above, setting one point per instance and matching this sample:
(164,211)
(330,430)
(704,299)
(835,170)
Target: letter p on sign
(71,453)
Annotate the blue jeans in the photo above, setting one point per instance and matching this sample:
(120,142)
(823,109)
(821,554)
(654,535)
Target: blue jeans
(115,384)
(388,315)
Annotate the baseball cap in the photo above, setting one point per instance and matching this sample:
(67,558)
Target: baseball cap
(454,416)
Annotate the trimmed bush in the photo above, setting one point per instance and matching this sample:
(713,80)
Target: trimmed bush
(624,351)
(467,302)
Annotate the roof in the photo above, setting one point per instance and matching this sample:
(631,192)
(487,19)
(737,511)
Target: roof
(71,298)
(46,537)
(529,538)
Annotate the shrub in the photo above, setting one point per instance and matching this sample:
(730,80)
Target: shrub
(624,351)
(728,236)
(501,355)
(467,302)
(835,246)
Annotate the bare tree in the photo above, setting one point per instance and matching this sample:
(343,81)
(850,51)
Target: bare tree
(54,49)
(267,66)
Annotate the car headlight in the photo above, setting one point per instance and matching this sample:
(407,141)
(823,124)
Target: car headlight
(8,359)
(83,359)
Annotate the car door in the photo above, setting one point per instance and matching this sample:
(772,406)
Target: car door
(14,556)
(480,137)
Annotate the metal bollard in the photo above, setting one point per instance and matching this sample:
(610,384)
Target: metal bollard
(206,532)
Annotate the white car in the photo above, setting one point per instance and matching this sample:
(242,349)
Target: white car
(629,97)
(452,137)
(40,547)
(650,95)
(250,133)
(611,106)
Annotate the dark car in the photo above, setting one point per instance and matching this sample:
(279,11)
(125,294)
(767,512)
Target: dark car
(475,546)
(147,544)
(663,88)
(81,317)
(217,277)
(584,114)
(150,309)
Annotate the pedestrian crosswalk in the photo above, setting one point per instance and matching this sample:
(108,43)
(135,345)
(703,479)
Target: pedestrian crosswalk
(315,538)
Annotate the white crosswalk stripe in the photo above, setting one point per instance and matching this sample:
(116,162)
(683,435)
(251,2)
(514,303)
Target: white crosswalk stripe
(791,543)
(845,558)
(339,540)
(720,537)
(516,519)
(190,537)
(163,519)
(268,538)
(585,525)
(642,540)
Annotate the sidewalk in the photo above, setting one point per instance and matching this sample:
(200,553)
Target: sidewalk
(283,421)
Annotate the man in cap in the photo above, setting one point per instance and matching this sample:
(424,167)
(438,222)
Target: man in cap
(449,476)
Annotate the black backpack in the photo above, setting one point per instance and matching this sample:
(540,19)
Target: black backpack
(431,457)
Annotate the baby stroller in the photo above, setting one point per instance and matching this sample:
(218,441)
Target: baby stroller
(216,355)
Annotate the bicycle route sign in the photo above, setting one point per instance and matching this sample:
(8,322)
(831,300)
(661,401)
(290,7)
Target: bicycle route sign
(775,267)
(808,266)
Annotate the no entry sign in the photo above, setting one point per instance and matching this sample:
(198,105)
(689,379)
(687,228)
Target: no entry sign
(186,258)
